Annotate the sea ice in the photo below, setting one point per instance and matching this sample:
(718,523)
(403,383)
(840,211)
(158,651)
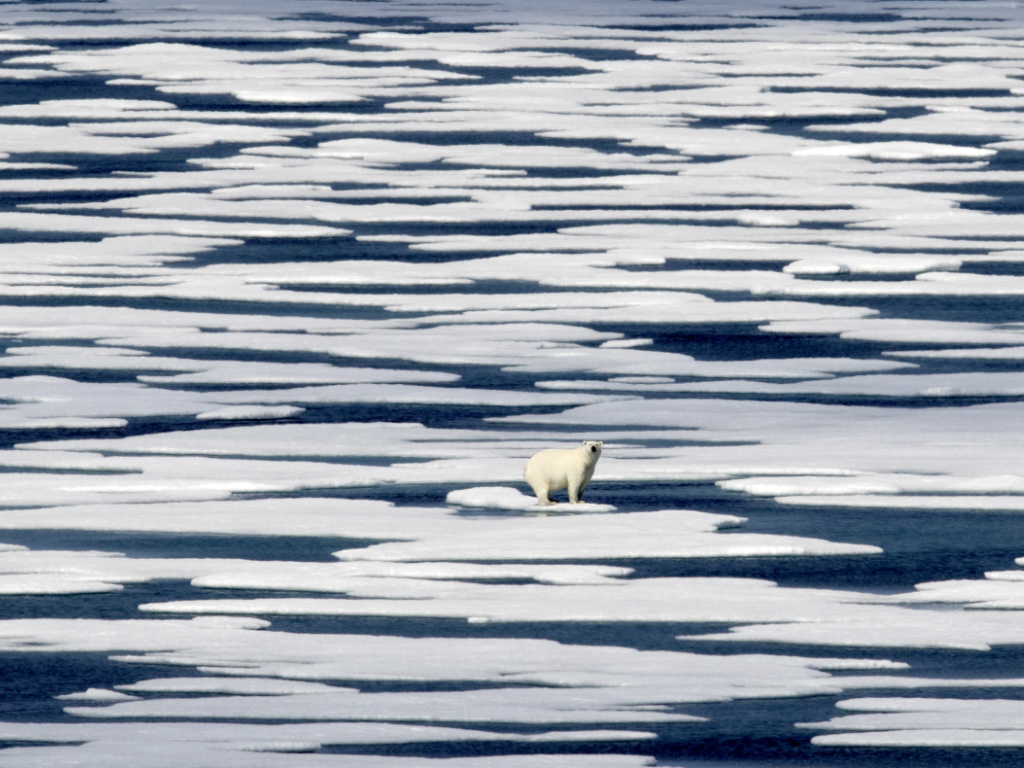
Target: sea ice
(98,695)
(926,722)
(513,498)
(249,412)
(229,685)
(516,199)
(143,753)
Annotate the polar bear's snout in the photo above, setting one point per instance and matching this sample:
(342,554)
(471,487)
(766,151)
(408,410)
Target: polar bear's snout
(554,469)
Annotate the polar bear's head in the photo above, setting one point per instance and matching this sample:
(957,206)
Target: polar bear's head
(593,447)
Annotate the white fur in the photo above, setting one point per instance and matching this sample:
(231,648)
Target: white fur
(555,469)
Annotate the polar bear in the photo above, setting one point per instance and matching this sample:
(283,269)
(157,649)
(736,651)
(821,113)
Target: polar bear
(554,469)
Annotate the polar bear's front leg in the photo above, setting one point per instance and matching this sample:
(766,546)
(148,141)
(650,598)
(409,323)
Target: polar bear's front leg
(576,492)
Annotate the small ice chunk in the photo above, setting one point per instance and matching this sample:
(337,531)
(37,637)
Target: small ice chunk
(591,736)
(228,622)
(55,584)
(626,343)
(843,665)
(897,151)
(67,422)
(815,267)
(252,686)
(97,694)
(251,412)
(643,380)
(500,497)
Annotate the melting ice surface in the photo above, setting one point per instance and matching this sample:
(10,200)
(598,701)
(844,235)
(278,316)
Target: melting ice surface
(290,291)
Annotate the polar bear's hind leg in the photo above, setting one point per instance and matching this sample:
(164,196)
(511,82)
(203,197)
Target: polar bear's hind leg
(541,489)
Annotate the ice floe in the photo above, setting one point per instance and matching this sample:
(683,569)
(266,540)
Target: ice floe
(255,413)
(500,497)
(924,722)
(262,754)
(263,737)
(97,695)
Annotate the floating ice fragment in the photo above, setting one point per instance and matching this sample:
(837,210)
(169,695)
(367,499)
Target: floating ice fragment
(897,150)
(241,372)
(937,503)
(512,498)
(250,412)
(997,591)
(811,486)
(925,722)
(729,601)
(239,735)
(642,380)
(495,497)
(668,533)
(954,738)
(489,705)
(347,576)
(228,622)
(97,694)
(143,753)
(56,584)
(880,628)
(68,422)
(815,267)
(103,352)
(254,686)
(590,736)
(844,664)
(982,353)
(626,343)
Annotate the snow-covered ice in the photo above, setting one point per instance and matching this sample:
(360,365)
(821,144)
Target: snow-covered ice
(501,497)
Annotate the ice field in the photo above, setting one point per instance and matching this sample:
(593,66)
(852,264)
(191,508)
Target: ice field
(290,290)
